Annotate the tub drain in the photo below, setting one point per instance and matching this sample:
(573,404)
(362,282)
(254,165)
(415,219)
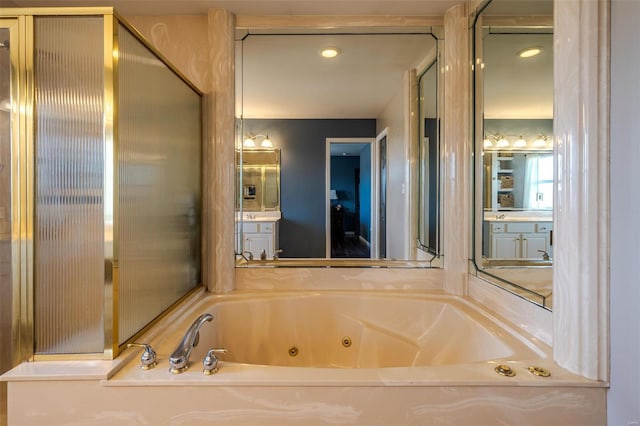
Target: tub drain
(346,342)
(293,351)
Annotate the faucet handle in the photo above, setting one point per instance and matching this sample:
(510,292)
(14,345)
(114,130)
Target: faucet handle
(276,254)
(249,255)
(148,358)
(210,362)
(545,255)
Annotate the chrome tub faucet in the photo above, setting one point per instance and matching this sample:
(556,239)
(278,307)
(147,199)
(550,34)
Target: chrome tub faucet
(179,359)
(210,362)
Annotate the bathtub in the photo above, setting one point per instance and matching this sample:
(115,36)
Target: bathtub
(356,330)
(327,357)
(363,338)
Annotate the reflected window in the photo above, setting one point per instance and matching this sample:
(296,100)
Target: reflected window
(538,182)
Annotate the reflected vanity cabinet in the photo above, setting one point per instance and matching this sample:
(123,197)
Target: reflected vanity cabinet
(520,240)
(260,237)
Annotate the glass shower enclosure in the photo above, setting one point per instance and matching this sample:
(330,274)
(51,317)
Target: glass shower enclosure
(100,183)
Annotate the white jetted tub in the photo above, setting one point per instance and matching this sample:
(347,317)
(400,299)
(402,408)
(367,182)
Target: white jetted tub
(356,330)
(336,335)
(317,358)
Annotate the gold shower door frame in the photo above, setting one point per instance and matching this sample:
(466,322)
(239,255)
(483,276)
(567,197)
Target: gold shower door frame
(21,166)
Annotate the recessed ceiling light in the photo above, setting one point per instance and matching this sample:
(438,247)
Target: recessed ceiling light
(330,52)
(529,52)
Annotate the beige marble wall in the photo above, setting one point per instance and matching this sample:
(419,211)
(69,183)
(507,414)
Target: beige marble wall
(88,403)
(338,279)
(581,199)
(527,316)
(183,40)
(221,178)
(457,150)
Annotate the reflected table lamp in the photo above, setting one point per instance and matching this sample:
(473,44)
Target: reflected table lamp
(333,195)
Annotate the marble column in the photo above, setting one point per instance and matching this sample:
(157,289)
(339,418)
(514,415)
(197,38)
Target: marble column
(219,153)
(457,150)
(581,202)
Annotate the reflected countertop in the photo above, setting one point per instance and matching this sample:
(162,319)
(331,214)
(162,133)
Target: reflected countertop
(518,216)
(270,216)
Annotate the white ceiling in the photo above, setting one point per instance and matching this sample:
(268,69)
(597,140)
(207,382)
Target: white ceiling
(517,87)
(284,76)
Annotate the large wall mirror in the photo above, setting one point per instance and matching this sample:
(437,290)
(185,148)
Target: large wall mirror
(513,129)
(353,115)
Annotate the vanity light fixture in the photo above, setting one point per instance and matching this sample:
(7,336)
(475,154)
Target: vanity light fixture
(530,52)
(520,143)
(330,52)
(540,142)
(250,141)
(502,142)
(266,142)
(488,143)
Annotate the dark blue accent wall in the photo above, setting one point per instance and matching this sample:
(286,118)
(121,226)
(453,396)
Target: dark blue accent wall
(302,175)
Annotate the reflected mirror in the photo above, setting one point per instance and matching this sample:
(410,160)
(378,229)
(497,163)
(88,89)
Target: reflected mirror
(429,206)
(340,109)
(514,154)
(261,180)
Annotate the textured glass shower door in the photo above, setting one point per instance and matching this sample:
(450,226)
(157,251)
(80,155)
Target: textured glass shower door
(69,197)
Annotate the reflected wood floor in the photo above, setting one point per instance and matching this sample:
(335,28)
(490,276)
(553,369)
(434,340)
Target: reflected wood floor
(350,247)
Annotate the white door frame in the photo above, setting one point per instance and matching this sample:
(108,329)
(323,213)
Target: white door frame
(375,190)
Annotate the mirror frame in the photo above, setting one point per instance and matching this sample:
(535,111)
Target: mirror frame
(350,24)
(477,268)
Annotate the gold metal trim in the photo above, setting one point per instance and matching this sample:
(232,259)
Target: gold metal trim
(54,11)
(538,371)
(110,169)
(27,178)
(14,237)
(505,370)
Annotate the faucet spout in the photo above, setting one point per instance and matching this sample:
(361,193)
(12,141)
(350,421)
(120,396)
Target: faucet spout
(179,359)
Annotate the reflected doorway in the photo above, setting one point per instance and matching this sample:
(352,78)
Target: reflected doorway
(381,141)
(351,201)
